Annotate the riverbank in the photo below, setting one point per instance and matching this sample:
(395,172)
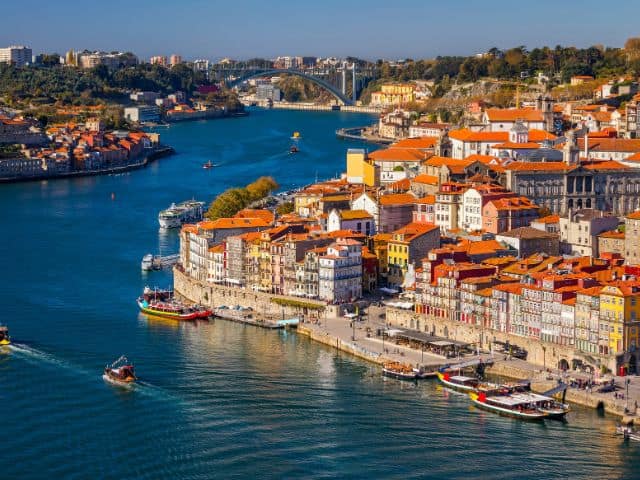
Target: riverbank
(156,154)
(357,133)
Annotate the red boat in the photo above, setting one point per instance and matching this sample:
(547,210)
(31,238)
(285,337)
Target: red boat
(172,309)
(120,372)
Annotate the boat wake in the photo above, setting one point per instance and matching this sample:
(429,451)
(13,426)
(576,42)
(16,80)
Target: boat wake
(35,354)
(158,393)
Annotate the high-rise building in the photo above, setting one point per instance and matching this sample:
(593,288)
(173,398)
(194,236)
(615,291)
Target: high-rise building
(158,60)
(175,60)
(17,55)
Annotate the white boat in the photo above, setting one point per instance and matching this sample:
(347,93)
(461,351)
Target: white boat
(147,262)
(184,212)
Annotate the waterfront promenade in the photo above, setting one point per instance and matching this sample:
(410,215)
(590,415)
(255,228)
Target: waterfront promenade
(339,333)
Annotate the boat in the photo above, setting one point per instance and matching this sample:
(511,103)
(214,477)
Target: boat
(294,149)
(147,262)
(184,212)
(4,335)
(460,383)
(161,303)
(522,405)
(399,371)
(295,136)
(120,372)
(208,165)
(628,432)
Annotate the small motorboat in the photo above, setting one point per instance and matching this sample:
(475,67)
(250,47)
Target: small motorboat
(209,165)
(120,372)
(294,149)
(295,136)
(4,335)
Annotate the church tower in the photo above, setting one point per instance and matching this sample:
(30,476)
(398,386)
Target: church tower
(545,105)
(570,151)
(443,145)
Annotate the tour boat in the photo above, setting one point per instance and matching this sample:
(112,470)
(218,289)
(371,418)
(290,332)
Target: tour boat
(147,262)
(293,149)
(399,371)
(170,308)
(458,382)
(4,335)
(120,372)
(525,406)
(184,212)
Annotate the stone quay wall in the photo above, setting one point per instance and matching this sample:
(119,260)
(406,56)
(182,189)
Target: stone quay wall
(214,295)
(540,353)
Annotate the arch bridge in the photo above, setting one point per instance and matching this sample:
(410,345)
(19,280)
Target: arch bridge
(233,76)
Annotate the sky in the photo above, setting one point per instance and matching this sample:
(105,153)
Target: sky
(391,29)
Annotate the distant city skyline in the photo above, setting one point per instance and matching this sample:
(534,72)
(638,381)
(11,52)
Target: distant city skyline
(370,30)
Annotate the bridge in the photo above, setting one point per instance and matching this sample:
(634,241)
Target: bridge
(333,79)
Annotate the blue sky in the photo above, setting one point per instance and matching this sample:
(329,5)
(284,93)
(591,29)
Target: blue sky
(367,29)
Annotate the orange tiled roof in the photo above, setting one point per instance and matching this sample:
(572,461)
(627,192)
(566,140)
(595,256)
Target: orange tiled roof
(413,230)
(223,223)
(549,219)
(612,234)
(605,165)
(634,216)
(426,179)
(467,135)
(611,144)
(417,142)
(397,155)
(354,214)
(265,215)
(513,114)
(403,185)
(449,162)
(397,199)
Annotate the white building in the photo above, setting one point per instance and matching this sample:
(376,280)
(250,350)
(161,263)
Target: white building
(359,221)
(16,55)
(340,272)
(215,264)
(579,231)
(143,114)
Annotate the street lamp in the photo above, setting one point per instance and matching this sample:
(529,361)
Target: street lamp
(544,358)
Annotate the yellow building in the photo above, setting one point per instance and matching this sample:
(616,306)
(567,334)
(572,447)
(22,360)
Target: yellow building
(619,317)
(360,169)
(394,94)
(409,245)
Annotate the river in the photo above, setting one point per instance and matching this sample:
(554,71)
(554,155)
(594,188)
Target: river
(218,399)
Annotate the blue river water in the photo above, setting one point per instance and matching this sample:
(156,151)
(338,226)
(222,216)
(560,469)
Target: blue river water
(217,399)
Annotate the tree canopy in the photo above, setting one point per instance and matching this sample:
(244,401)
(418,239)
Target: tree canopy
(232,200)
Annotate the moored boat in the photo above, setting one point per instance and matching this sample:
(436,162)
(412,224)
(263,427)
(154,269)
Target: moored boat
(184,212)
(399,371)
(522,405)
(162,304)
(4,335)
(458,382)
(147,262)
(121,372)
